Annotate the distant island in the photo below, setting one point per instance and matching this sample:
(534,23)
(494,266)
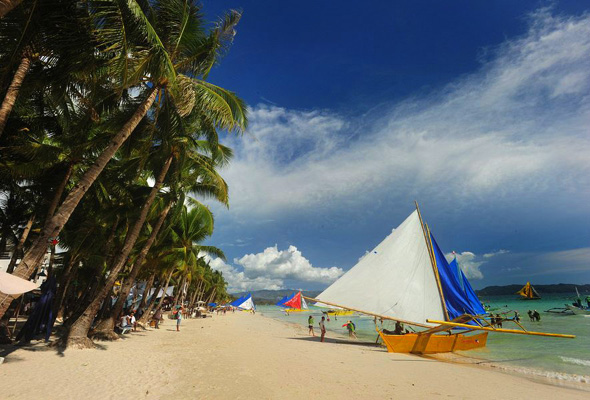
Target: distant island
(547,289)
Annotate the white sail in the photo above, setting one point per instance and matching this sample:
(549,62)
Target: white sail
(248,304)
(396,279)
(303,304)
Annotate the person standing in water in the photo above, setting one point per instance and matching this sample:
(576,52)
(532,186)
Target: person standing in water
(323,328)
(310,323)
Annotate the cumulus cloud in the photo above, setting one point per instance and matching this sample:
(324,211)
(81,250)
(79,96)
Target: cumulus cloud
(237,281)
(517,126)
(469,264)
(270,268)
(286,264)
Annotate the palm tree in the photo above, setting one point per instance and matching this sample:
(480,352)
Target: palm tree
(7,5)
(171,58)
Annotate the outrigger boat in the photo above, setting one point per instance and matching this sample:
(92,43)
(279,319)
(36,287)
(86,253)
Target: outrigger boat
(293,303)
(528,292)
(577,307)
(407,279)
(244,303)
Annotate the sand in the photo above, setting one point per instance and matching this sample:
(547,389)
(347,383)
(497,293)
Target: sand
(244,356)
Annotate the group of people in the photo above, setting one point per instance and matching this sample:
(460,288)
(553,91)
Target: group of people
(496,320)
(534,315)
(128,321)
(350,326)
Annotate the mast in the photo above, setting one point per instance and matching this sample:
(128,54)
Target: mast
(432,261)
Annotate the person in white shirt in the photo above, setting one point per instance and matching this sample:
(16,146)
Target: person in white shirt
(323,328)
(132,320)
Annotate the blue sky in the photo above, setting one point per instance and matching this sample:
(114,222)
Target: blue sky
(478,110)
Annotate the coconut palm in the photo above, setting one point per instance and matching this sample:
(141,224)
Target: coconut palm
(166,54)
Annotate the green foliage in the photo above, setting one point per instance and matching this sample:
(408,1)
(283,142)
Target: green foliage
(92,63)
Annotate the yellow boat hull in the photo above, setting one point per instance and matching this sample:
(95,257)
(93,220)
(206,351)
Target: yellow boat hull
(339,313)
(295,310)
(430,344)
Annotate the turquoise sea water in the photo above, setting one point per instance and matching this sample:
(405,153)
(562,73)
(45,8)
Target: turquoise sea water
(556,358)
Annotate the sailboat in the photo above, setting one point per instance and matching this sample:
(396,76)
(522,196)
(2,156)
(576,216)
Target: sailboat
(294,303)
(528,292)
(577,307)
(407,279)
(244,303)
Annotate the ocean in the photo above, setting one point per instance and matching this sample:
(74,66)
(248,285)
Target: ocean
(538,357)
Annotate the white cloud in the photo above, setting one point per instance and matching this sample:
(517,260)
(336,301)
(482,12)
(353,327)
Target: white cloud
(469,263)
(495,253)
(238,282)
(269,269)
(286,264)
(517,127)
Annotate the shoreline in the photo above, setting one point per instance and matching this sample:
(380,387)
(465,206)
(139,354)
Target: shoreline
(562,380)
(248,356)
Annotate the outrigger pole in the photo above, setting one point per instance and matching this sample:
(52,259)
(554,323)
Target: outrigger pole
(500,330)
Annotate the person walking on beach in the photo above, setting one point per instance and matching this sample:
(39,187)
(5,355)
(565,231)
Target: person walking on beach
(178,318)
(323,328)
(157,318)
(310,322)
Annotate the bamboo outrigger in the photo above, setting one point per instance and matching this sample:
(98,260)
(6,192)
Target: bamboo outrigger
(426,287)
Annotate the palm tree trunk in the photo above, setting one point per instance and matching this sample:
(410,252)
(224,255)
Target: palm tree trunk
(64,282)
(20,244)
(146,314)
(52,228)
(146,291)
(7,5)
(179,293)
(59,192)
(79,331)
(17,80)
(106,326)
(165,291)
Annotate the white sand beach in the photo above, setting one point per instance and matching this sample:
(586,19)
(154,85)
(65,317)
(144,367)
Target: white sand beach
(244,356)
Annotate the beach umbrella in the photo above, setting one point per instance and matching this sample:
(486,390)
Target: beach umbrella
(13,285)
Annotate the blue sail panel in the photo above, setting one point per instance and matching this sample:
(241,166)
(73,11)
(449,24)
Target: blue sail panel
(472,297)
(456,302)
(467,289)
(457,270)
(285,299)
(281,301)
(237,302)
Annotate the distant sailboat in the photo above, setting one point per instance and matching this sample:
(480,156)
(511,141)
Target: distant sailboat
(244,302)
(577,307)
(406,278)
(528,292)
(295,303)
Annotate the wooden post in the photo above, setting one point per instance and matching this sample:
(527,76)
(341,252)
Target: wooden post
(500,330)
(433,262)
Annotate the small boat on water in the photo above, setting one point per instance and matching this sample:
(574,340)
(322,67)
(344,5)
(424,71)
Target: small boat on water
(528,292)
(293,303)
(244,303)
(577,307)
(407,279)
